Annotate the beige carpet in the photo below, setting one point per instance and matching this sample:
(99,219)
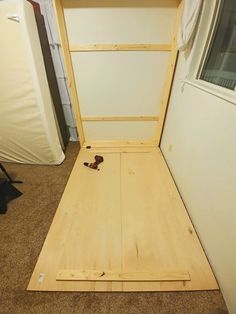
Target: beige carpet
(23,230)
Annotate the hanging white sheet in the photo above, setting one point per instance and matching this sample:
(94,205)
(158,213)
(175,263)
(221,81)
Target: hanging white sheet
(28,132)
(188,23)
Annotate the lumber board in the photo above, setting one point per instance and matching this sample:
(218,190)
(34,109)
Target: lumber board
(120,47)
(126,218)
(119,118)
(169,77)
(107,150)
(119,3)
(60,19)
(94,275)
(110,144)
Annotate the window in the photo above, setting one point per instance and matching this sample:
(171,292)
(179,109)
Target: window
(220,64)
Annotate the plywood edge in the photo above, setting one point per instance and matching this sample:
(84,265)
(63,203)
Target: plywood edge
(94,275)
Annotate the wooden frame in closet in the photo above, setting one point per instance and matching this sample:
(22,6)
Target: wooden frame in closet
(67,49)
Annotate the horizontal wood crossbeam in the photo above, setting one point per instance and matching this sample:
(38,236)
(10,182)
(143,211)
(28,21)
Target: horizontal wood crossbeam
(94,275)
(120,47)
(118,118)
(70,4)
(111,144)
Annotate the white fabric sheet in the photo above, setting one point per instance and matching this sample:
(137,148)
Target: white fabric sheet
(188,23)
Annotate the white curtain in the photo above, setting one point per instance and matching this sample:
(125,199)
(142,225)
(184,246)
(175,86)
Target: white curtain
(188,23)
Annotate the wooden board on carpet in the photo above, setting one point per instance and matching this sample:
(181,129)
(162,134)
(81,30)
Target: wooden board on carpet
(126,218)
(94,275)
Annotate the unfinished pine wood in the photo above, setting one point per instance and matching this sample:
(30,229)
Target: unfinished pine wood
(120,47)
(127,149)
(68,64)
(116,83)
(118,144)
(120,118)
(120,3)
(79,30)
(170,76)
(87,201)
(123,29)
(94,275)
(120,131)
(157,232)
(120,84)
(126,218)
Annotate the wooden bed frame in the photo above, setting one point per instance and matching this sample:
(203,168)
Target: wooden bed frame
(125,227)
(67,49)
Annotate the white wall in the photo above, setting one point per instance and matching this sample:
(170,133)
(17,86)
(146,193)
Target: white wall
(199,144)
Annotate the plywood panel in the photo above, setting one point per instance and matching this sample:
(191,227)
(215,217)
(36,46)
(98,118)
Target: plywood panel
(120,51)
(94,241)
(120,83)
(119,22)
(116,131)
(127,217)
(86,231)
(157,232)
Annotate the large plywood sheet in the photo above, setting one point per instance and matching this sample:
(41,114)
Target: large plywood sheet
(120,83)
(127,217)
(115,131)
(119,21)
(111,81)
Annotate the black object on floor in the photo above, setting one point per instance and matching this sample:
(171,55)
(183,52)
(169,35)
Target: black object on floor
(7,193)
(8,176)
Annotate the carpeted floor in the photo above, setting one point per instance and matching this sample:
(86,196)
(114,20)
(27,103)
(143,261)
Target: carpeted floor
(23,230)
